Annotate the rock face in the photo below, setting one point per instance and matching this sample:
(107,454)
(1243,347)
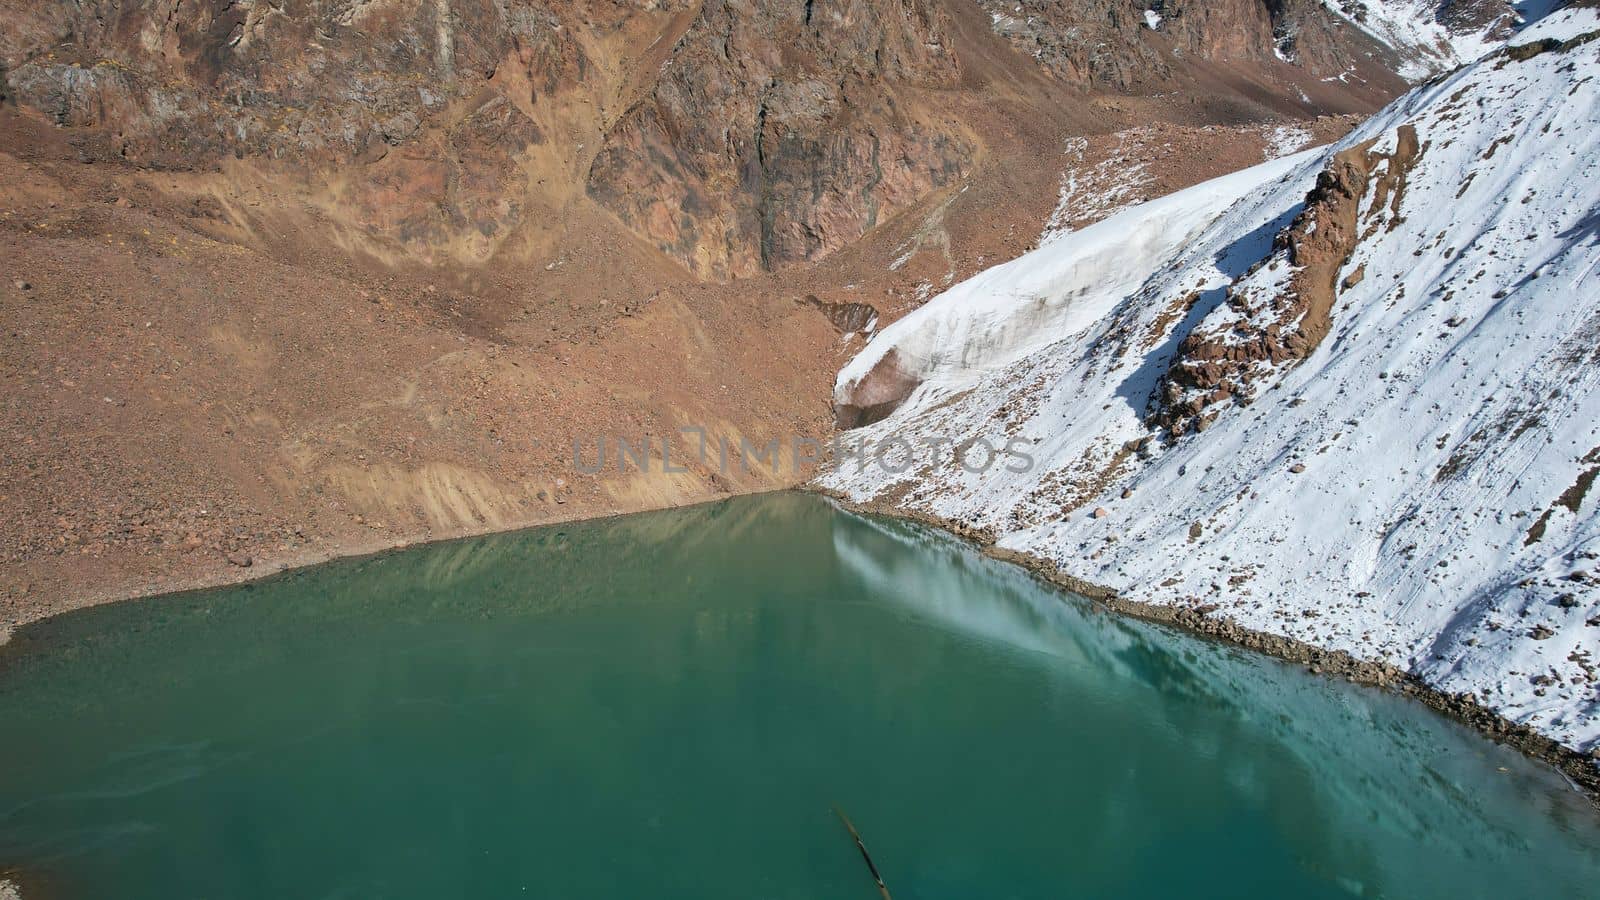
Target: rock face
(441,126)
(734,136)
(1134,44)
(877,394)
(186,84)
(1276,322)
(780,131)
(1082,41)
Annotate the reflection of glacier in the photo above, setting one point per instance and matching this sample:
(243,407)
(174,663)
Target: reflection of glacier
(1365,752)
(966,591)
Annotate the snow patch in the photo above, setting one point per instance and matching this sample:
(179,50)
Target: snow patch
(1570,24)
(1090,193)
(1418,31)
(1281,140)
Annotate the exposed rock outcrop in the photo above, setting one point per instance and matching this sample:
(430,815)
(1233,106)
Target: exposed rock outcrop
(464,119)
(187,84)
(1137,44)
(879,393)
(1278,321)
(734,136)
(781,131)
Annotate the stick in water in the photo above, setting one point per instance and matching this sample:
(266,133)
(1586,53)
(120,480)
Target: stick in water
(862,846)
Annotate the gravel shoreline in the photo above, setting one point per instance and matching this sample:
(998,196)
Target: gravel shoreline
(217,572)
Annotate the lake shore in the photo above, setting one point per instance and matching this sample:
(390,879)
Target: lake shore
(957,706)
(210,571)
(1580,770)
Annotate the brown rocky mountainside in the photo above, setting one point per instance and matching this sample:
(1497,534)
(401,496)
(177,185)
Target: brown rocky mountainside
(288,280)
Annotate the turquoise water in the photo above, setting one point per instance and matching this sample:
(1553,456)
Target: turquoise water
(669,705)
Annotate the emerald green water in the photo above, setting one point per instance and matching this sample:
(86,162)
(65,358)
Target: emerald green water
(668,705)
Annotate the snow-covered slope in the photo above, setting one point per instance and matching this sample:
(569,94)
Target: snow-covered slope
(1435,35)
(1004,313)
(1348,397)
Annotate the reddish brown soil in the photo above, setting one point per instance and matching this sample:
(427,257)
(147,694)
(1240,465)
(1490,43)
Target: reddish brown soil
(210,375)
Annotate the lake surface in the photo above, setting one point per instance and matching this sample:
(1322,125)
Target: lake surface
(669,705)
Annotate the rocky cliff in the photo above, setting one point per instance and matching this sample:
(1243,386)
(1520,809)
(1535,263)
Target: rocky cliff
(781,131)
(1143,43)
(441,126)
(735,136)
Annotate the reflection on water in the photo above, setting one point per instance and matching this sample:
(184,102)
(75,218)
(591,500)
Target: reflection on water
(668,704)
(1371,750)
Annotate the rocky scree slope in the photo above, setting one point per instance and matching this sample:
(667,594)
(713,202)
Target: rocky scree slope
(1346,397)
